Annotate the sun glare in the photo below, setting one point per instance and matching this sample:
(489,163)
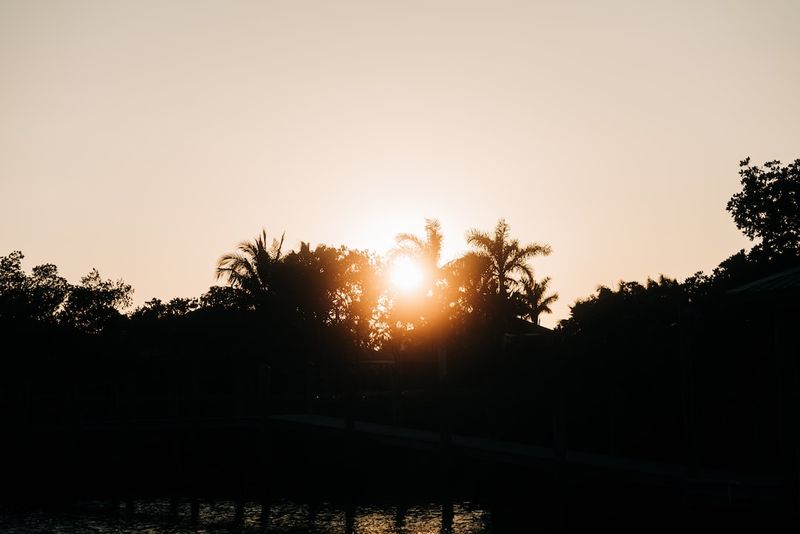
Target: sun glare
(406,274)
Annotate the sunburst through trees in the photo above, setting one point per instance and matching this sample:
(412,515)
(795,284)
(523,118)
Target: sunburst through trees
(409,295)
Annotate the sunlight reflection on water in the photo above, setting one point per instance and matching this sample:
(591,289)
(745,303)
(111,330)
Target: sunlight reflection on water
(153,516)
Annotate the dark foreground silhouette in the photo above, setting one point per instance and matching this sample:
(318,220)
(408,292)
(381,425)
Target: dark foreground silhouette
(310,378)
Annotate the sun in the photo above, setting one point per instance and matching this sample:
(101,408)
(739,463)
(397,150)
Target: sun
(406,274)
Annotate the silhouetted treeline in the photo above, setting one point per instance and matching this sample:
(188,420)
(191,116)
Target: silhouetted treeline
(640,355)
(663,370)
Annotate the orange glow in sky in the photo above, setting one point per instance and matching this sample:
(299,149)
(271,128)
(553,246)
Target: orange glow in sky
(148,138)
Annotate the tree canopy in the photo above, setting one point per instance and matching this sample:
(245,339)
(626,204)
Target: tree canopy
(768,206)
(505,255)
(46,298)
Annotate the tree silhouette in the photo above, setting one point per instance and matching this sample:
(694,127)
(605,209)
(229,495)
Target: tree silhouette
(224,298)
(427,250)
(506,256)
(534,297)
(331,287)
(36,297)
(409,309)
(357,294)
(44,297)
(768,206)
(632,311)
(95,304)
(156,309)
(252,267)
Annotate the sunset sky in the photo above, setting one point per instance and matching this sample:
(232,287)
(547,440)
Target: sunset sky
(147,138)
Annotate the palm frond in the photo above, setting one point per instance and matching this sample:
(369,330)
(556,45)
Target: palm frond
(409,239)
(534,249)
(480,240)
(428,249)
(250,267)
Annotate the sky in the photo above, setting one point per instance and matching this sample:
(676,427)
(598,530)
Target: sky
(148,138)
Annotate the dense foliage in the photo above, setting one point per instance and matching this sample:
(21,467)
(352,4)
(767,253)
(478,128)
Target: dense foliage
(620,359)
(768,206)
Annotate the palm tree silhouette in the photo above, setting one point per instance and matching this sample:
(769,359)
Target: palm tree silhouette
(505,255)
(252,267)
(427,250)
(534,299)
(423,306)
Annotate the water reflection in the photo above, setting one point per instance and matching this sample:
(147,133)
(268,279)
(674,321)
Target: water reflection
(154,516)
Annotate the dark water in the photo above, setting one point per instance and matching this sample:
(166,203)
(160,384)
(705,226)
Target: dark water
(154,516)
